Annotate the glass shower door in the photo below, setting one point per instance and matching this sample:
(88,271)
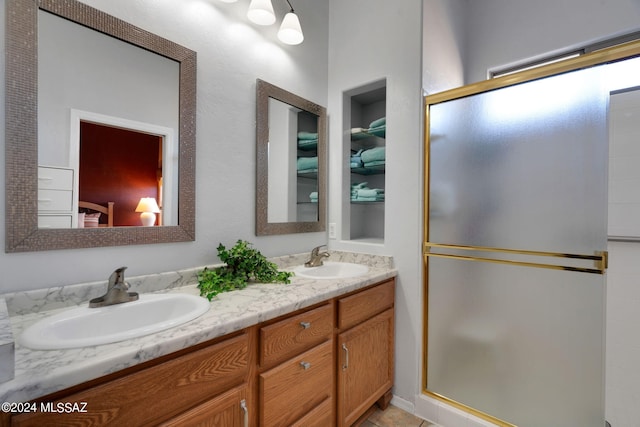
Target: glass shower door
(514,250)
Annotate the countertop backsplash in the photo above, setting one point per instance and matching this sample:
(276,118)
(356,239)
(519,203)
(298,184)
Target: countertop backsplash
(34,301)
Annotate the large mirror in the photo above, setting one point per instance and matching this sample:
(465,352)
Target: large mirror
(291,162)
(79,82)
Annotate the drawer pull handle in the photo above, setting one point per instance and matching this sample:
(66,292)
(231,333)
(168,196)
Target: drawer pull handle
(243,405)
(305,365)
(346,357)
(305,325)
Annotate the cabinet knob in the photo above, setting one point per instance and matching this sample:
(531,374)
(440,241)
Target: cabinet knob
(305,365)
(305,325)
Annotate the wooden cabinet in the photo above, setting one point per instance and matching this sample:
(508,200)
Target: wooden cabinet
(158,393)
(365,348)
(299,390)
(318,367)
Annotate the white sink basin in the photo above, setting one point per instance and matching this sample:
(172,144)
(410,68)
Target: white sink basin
(84,326)
(332,270)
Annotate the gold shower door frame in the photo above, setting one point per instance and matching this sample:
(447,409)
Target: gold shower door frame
(598,261)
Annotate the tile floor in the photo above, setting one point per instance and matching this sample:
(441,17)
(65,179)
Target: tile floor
(394,417)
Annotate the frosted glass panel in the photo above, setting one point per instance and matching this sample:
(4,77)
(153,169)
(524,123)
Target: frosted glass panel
(523,167)
(521,344)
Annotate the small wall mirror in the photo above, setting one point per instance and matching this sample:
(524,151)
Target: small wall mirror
(291,162)
(79,84)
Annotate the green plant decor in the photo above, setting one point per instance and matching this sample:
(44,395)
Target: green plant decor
(243,264)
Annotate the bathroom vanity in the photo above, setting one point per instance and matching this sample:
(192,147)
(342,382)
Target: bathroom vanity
(315,353)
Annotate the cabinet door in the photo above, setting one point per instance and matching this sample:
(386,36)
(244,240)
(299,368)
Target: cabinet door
(157,393)
(226,410)
(365,370)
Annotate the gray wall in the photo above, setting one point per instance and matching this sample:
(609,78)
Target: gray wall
(371,40)
(232,53)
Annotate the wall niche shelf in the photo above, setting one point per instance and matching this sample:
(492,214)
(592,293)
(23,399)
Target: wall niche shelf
(365,138)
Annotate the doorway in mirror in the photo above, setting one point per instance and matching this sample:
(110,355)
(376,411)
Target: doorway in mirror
(121,166)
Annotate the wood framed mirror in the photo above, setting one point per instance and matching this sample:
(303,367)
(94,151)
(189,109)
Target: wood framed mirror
(21,131)
(290,162)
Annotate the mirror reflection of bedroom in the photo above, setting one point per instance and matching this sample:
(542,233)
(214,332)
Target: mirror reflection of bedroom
(119,178)
(119,166)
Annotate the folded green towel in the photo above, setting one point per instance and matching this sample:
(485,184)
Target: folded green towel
(380,131)
(356,186)
(378,122)
(307,163)
(370,192)
(307,135)
(307,144)
(374,164)
(373,154)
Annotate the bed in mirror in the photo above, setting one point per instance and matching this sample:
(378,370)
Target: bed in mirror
(79,82)
(291,162)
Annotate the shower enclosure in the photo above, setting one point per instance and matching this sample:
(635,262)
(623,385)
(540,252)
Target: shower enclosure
(515,244)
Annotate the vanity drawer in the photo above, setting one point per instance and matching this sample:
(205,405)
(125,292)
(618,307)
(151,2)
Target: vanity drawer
(293,335)
(365,304)
(154,394)
(293,389)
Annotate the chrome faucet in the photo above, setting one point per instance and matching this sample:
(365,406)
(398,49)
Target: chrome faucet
(116,291)
(316,257)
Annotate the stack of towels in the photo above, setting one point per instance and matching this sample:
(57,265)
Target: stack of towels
(307,140)
(361,193)
(373,157)
(356,160)
(313,197)
(368,158)
(378,127)
(307,164)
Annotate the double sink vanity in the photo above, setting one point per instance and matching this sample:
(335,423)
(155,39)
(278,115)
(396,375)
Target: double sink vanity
(317,351)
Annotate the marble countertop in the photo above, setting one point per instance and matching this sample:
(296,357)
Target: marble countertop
(40,372)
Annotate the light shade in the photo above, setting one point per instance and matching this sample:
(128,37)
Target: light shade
(148,204)
(228,1)
(261,12)
(149,208)
(290,31)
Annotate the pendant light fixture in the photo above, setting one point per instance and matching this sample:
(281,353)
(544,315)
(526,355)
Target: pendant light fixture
(290,30)
(261,12)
